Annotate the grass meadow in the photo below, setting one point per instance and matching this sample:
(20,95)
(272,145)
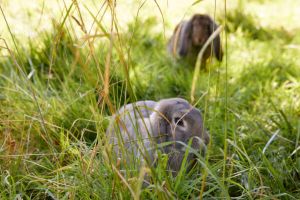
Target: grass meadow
(66,66)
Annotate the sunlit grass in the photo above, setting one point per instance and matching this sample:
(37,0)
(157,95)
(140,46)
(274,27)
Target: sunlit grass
(54,110)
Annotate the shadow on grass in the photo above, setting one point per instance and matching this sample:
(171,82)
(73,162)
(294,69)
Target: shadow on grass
(238,19)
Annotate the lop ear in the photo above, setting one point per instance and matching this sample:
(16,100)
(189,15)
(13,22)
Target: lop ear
(161,126)
(185,38)
(160,121)
(173,42)
(217,46)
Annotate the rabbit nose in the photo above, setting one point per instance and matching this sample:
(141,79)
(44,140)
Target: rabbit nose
(197,144)
(206,138)
(193,153)
(182,52)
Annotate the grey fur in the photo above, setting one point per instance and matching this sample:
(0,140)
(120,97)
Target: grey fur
(145,126)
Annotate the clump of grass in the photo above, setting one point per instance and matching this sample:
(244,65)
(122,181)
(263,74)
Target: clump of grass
(239,19)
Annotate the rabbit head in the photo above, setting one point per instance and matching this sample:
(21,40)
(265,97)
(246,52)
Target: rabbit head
(195,32)
(175,120)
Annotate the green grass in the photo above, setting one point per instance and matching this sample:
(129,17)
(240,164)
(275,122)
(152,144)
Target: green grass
(54,109)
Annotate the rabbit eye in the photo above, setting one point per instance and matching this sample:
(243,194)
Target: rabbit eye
(178,121)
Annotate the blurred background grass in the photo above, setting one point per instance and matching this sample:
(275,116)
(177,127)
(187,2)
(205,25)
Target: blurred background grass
(54,105)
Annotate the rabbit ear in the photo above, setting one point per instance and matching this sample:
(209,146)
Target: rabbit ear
(184,39)
(161,118)
(217,41)
(160,124)
(173,42)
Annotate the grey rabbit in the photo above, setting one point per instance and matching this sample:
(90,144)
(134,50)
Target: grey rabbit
(142,126)
(189,37)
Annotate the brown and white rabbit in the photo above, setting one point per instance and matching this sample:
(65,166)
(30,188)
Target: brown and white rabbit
(189,37)
(169,125)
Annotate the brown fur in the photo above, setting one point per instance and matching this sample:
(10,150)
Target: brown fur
(188,41)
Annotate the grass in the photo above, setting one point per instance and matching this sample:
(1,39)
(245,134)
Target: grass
(58,89)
